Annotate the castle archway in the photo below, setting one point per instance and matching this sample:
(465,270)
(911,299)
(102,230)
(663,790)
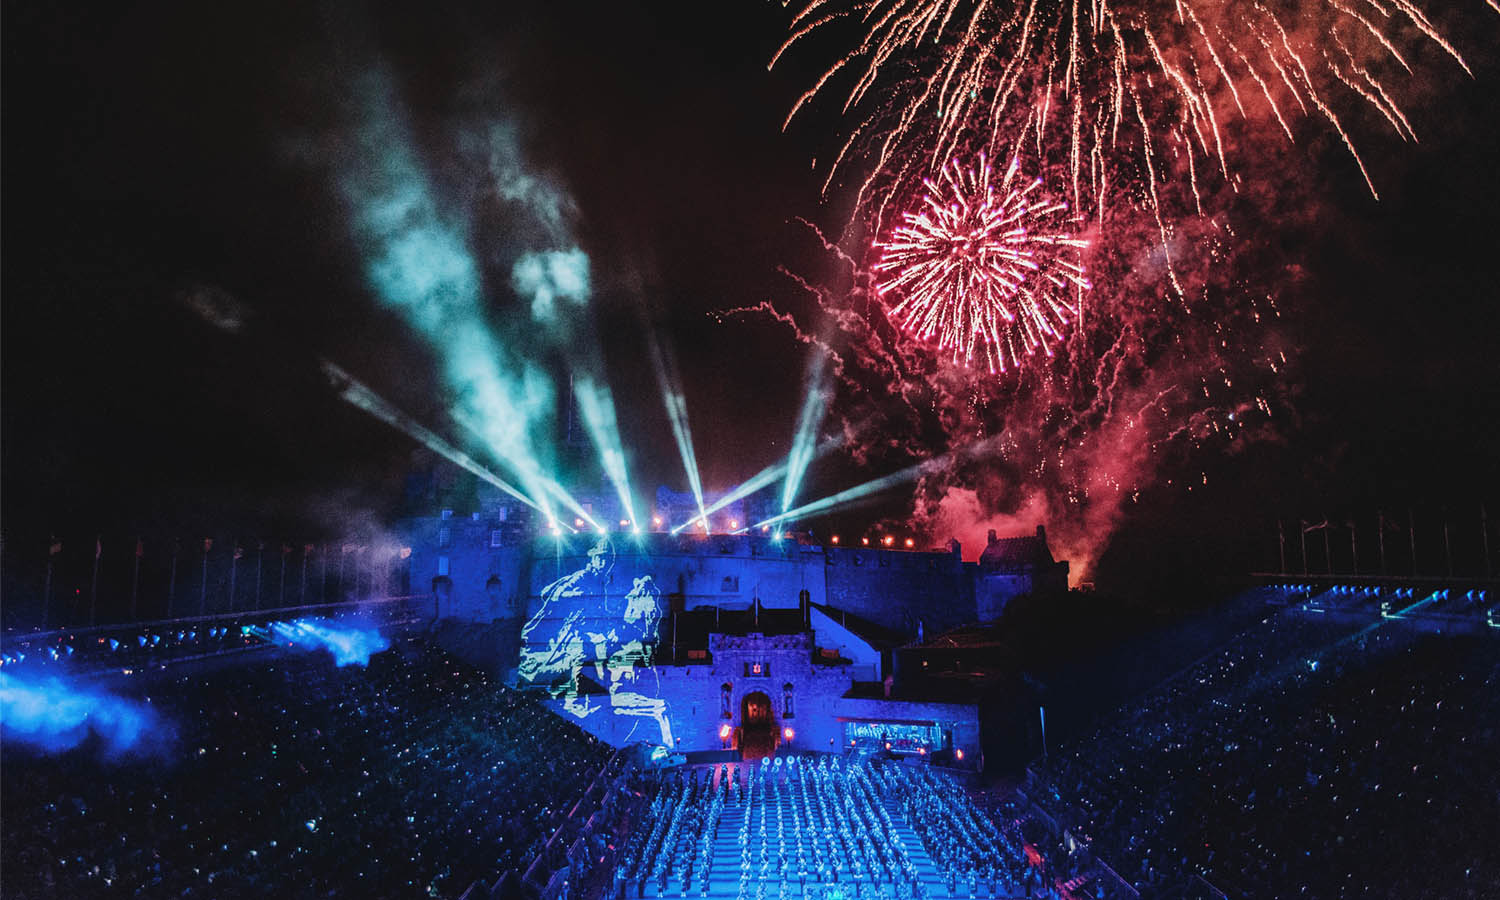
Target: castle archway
(757,725)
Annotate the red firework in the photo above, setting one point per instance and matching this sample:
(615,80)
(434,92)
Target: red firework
(984,266)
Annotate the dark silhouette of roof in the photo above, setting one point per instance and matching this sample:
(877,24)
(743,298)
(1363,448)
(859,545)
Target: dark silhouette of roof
(876,635)
(1016,554)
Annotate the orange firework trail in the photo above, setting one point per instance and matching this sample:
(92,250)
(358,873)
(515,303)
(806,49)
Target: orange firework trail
(980,266)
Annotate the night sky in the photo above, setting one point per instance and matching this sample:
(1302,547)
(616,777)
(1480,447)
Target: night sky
(155,153)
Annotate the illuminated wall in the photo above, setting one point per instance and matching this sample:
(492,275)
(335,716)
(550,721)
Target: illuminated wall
(591,609)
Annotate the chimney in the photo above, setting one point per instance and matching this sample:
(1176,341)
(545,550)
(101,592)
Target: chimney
(992,536)
(1041,533)
(955,548)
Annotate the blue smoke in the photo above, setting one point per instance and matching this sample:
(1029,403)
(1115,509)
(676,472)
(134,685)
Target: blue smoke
(420,265)
(348,643)
(53,715)
(551,276)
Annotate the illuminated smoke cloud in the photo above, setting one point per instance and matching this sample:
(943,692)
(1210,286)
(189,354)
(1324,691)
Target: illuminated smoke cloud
(348,643)
(553,276)
(549,277)
(419,263)
(54,715)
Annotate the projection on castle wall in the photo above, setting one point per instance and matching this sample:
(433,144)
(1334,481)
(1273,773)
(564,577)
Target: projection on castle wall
(587,627)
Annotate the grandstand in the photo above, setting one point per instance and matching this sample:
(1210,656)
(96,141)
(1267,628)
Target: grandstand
(290,777)
(1312,755)
(1340,744)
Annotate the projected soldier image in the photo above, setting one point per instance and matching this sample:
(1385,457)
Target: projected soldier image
(588,628)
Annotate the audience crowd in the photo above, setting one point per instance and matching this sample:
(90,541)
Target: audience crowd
(1304,759)
(412,777)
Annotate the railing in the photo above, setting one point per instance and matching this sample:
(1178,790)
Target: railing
(86,646)
(597,786)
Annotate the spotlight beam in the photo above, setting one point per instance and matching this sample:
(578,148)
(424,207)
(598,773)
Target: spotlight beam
(809,420)
(762,479)
(418,263)
(358,394)
(550,488)
(671,392)
(869,488)
(596,404)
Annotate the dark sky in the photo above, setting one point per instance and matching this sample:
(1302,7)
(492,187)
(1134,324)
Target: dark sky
(153,149)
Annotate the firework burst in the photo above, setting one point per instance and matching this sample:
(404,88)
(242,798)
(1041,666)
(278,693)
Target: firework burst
(1157,82)
(982,266)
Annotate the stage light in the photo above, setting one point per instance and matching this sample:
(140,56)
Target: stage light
(921,751)
(724,731)
(865,541)
(777,536)
(910,542)
(764,529)
(635,529)
(958,754)
(788,733)
(624,523)
(889,540)
(733,524)
(835,539)
(656,521)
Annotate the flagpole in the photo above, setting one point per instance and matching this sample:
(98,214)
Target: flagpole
(203,582)
(1447,546)
(234,566)
(1411,532)
(1327,548)
(1484,534)
(1281,545)
(1303,531)
(1382,542)
(94,581)
(172,576)
(54,547)
(1354,544)
(135,579)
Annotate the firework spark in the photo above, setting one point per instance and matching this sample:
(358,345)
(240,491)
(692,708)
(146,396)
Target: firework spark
(1102,79)
(981,267)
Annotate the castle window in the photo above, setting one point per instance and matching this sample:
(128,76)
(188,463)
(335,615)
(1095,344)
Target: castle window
(495,538)
(730,585)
